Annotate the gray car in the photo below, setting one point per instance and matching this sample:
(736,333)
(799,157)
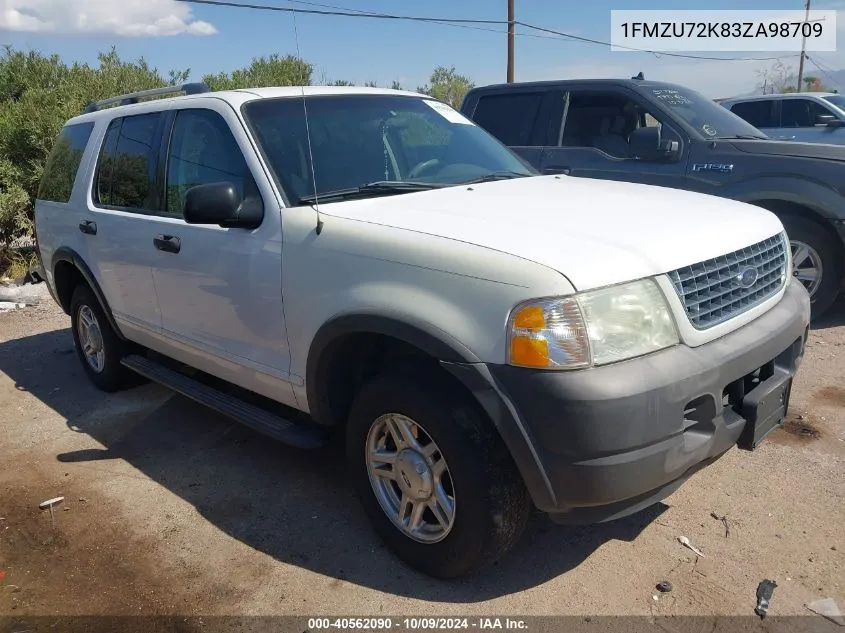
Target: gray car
(811,117)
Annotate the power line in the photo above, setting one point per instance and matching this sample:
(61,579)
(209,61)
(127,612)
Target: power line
(812,60)
(353,13)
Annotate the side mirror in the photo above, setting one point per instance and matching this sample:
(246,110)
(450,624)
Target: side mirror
(645,143)
(219,203)
(829,120)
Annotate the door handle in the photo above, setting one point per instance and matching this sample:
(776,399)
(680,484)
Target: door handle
(556,169)
(88,227)
(167,243)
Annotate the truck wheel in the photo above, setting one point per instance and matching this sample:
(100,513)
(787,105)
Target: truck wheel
(97,345)
(816,261)
(432,474)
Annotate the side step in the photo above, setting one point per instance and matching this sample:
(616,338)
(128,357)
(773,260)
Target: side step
(256,418)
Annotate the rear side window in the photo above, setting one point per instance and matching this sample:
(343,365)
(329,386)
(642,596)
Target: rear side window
(757,113)
(63,162)
(509,117)
(126,168)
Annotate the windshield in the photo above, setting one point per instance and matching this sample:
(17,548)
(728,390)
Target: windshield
(358,140)
(837,100)
(708,118)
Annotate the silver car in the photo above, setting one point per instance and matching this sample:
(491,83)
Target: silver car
(811,117)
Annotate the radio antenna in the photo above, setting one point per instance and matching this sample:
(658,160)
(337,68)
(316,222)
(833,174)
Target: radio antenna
(308,132)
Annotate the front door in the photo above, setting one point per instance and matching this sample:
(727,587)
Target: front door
(220,289)
(593,142)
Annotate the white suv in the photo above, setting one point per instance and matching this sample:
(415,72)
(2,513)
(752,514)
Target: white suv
(483,336)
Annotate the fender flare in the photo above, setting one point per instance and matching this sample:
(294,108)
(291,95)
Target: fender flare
(456,359)
(70,256)
(426,337)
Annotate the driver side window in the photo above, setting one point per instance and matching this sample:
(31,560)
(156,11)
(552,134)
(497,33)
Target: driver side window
(605,120)
(202,151)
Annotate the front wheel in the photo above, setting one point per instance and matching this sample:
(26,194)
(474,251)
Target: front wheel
(433,475)
(816,261)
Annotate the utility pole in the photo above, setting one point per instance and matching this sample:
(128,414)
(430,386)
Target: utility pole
(510,40)
(803,48)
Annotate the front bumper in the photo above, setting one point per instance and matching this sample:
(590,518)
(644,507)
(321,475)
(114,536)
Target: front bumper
(607,441)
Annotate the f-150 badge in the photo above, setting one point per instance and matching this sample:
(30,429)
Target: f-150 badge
(720,167)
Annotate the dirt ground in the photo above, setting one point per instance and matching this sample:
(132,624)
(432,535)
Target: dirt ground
(172,509)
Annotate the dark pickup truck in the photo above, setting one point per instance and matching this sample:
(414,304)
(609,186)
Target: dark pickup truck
(667,135)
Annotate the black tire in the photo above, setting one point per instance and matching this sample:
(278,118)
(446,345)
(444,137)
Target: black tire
(113,376)
(492,504)
(830,254)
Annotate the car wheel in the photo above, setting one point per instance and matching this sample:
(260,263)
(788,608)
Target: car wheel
(97,345)
(433,475)
(816,261)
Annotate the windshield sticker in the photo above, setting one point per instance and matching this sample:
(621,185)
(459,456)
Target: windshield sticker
(447,113)
(671,97)
(708,129)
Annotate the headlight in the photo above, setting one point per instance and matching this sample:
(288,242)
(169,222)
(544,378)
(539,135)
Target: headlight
(591,328)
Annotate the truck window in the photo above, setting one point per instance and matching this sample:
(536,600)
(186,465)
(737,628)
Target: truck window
(126,167)
(800,112)
(63,162)
(509,117)
(605,120)
(757,113)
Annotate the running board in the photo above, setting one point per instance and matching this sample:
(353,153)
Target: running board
(256,418)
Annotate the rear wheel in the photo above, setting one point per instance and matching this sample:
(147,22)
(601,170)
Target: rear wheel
(432,474)
(816,261)
(97,345)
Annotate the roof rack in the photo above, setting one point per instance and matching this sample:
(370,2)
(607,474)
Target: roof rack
(133,97)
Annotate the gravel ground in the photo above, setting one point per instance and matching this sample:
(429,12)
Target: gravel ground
(172,509)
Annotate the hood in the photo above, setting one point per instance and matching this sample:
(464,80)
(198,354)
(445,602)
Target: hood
(794,149)
(595,232)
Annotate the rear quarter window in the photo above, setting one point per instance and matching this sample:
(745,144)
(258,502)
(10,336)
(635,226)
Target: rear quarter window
(63,162)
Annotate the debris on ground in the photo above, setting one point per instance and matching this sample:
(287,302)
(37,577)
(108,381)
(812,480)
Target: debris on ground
(664,586)
(2,574)
(50,502)
(827,608)
(724,520)
(764,594)
(26,294)
(683,540)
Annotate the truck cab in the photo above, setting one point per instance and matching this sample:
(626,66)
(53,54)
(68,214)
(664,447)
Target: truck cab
(667,135)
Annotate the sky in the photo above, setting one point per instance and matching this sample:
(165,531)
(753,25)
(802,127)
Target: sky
(210,39)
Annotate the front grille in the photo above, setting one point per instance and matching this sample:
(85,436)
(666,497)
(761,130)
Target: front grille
(712,292)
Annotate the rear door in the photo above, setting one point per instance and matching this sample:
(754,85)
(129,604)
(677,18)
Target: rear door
(764,114)
(519,118)
(593,139)
(123,203)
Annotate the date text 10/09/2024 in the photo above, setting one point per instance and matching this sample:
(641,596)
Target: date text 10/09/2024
(416,624)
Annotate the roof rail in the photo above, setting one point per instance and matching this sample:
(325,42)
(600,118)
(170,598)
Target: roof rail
(133,97)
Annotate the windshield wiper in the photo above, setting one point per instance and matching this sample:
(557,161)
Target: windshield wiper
(749,137)
(381,187)
(496,175)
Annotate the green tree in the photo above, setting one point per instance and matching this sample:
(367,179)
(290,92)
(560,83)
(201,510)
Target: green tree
(447,85)
(274,70)
(38,94)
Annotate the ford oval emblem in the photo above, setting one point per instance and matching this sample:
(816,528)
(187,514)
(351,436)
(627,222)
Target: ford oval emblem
(747,277)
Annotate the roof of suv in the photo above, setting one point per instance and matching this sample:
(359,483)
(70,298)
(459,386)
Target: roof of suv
(632,83)
(243,95)
(784,95)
